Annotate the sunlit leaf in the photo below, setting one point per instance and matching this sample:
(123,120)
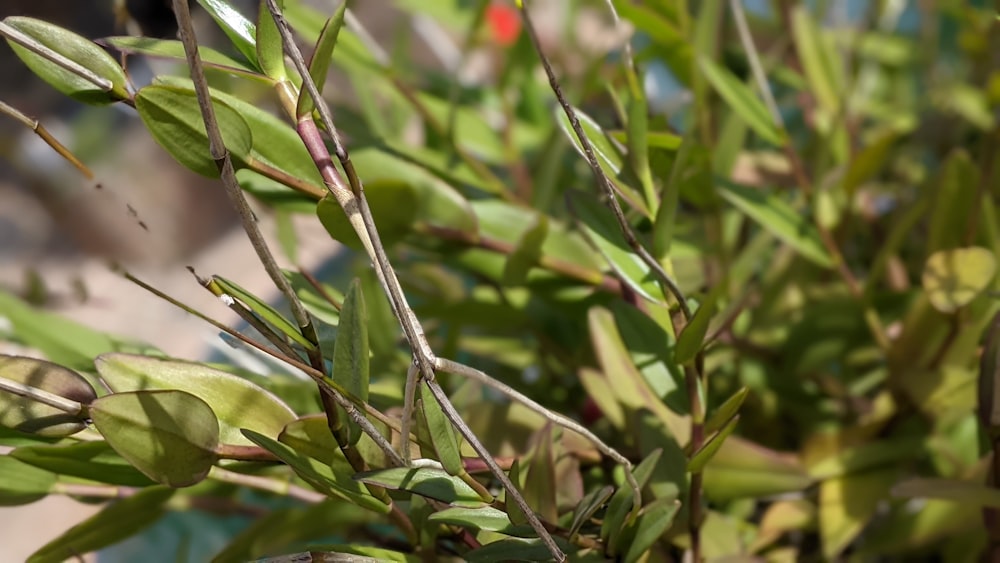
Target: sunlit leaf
(237,28)
(743,101)
(425,481)
(953,278)
(517,549)
(393,206)
(621,502)
(441,433)
(170,436)
(68,45)
(653,522)
(263,310)
(236,402)
(743,469)
(778,218)
(174,49)
(485,518)
(705,454)
(21,483)
(689,341)
(319,63)
(847,503)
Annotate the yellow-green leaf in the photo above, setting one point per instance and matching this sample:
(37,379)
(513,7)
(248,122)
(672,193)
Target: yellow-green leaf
(953,278)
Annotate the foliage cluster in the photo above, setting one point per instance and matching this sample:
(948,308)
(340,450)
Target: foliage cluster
(771,301)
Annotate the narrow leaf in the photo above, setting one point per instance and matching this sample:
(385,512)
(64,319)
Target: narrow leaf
(621,502)
(485,518)
(589,506)
(690,340)
(319,64)
(350,350)
(38,43)
(777,217)
(442,433)
(527,252)
(173,49)
(743,101)
(21,483)
(331,480)
(726,410)
(427,482)
(653,522)
(270,53)
(701,457)
(117,522)
(264,310)
(87,460)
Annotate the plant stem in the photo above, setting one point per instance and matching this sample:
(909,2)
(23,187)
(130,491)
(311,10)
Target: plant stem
(265,484)
(42,396)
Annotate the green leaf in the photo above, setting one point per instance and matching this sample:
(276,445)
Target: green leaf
(442,433)
(264,310)
(311,435)
(173,49)
(621,502)
(237,28)
(27,415)
(588,506)
(38,42)
(666,214)
(270,52)
(540,480)
(653,522)
(174,120)
(629,385)
(62,341)
(170,436)
(820,59)
(425,481)
(989,382)
(517,549)
(394,208)
(955,192)
(484,518)
(21,483)
(332,480)
(692,336)
(236,402)
(319,64)
(601,228)
(967,493)
(350,350)
(87,460)
(847,504)
(514,511)
(743,469)
(727,410)
(344,553)
(953,278)
(778,218)
(743,101)
(527,252)
(608,155)
(120,520)
(705,454)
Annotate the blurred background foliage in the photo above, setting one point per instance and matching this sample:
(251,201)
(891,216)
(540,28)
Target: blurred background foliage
(839,245)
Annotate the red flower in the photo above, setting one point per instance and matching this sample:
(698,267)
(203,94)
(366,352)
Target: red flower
(504,23)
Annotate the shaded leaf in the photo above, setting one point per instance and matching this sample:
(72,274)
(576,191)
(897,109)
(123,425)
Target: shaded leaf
(393,206)
(27,415)
(174,120)
(350,350)
(689,341)
(73,47)
(953,278)
(968,493)
(441,433)
(743,469)
(653,522)
(517,549)
(96,461)
(120,520)
(330,479)
(527,252)
(726,411)
(21,483)
(621,502)
(170,436)
(705,454)
(778,218)
(424,481)
(237,402)
(589,506)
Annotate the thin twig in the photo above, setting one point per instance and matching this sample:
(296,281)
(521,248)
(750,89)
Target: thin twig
(603,181)
(220,154)
(355,205)
(42,396)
